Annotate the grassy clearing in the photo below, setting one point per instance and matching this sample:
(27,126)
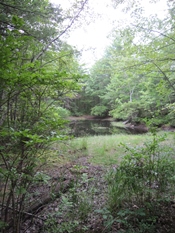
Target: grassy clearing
(103,150)
(135,197)
(108,150)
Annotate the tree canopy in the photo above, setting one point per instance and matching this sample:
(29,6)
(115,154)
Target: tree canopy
(139,82)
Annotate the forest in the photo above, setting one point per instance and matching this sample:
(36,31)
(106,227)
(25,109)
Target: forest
(53,182)
(134,79)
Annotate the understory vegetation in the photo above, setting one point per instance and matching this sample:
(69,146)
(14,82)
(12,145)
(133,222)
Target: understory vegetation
(117,183)
(134,192)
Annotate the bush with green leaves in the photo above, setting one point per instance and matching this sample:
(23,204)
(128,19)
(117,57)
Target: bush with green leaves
(99,110)
(142,184)
(22,153)
(33,80)
(129,110)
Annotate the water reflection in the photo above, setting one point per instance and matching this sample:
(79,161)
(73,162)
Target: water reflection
(81,128)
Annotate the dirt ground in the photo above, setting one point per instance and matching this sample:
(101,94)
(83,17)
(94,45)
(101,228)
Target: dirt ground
(56,214)
(61,179)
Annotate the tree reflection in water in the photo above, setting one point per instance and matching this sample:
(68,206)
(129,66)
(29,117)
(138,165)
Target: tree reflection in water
(81,128)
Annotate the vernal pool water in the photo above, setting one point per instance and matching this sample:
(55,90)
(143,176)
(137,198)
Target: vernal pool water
(80,128)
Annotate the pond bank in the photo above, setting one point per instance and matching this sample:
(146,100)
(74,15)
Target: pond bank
(90,125)
(89,117)
(142,128)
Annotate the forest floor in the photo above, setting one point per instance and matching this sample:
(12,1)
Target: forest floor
(80,182)
(79,200)
(74,196)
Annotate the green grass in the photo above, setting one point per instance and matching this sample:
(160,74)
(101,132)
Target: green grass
(103,150)
(107,150)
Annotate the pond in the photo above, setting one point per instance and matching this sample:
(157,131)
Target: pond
(80,128)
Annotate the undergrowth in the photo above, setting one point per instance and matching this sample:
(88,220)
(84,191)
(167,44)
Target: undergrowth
(142,189)
(73,209)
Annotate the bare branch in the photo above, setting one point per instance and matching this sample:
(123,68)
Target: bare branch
(164,75)
(160,33)
(61,34)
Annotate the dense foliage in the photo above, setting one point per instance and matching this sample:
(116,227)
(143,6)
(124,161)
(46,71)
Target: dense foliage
(141,188)
(37,69)
(135,78)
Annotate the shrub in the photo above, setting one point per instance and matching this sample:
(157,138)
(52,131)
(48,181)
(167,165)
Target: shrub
(99,110)
(141,185)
